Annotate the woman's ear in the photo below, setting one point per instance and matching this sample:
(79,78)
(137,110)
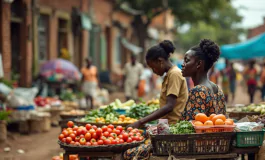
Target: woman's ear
(199,64)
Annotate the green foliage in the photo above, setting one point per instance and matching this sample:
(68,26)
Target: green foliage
(4,115)
(183,127)
(7,82)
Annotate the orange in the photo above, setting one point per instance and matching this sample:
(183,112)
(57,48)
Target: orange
(201,117)
(211,116)
(229,122)
(208,123)
(218,116)
(219,122)
(198,123)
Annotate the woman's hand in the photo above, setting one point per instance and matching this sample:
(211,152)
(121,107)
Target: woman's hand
(136,124)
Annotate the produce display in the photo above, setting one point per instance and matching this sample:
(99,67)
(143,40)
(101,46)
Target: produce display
(182,127)
(94,136)
(213,120)
(48,101)
(141,110)
(74,112)
(118,105)
(250,108)
(107,115)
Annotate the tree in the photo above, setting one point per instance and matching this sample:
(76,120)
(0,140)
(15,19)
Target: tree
(185,11)
(224,30)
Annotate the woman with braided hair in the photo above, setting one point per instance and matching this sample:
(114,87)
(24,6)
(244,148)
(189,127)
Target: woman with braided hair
(206,97)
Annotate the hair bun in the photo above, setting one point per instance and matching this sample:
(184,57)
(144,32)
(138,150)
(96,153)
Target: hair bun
(210,49)
(167,46)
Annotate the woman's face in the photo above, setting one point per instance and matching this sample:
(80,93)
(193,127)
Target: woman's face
(189,66)
(155,65)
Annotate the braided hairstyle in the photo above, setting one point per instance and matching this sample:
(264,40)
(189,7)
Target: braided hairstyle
(163,50)
(208,51)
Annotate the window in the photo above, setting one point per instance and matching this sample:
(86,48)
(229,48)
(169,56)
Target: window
(43,26)
(62,35)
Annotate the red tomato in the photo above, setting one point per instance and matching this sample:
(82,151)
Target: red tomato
(72,142)
(102,137)
(129,140)
(94,135)
(113,142)
(121,141)
(61,136)
(107,142)
(130,134)
(70,124)
(82,136)
(93,140)
(82,141)
(110,126)
(106,134)
(95,144)
(141,138)
(77,138)
(75,128)
(88,127)
(100,142)
(64,140)
(68,140)
(72,136)
(99,131)
(129,128)
(84,131)
(75,132)
(88,144)
(119,128)
(117,131)
(125,136)
(94,127)
(109,130)
(65,133)
(113,135)
(110,138)
(88,136)
(79,131)
(135,130)
(135,138)
(120,136)
(104,128)
(70,132)
(138,134)
(77,143)
(91,131)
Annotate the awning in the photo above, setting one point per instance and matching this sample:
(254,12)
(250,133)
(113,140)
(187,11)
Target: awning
(252,48)
(86,22)
(135,49)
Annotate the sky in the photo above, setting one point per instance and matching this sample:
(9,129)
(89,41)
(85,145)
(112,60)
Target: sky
(252,11)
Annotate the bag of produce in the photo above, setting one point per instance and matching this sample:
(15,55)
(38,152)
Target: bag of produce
(249,126)
(163,127)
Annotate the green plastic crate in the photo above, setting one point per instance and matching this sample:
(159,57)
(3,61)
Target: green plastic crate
(249,139)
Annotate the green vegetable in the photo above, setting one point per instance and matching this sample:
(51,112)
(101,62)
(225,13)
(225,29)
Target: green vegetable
(183,127)
(4,115)
(141,110)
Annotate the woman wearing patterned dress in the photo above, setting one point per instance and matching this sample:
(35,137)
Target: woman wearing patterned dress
(206,97)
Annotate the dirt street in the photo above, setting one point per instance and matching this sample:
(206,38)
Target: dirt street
(43,146)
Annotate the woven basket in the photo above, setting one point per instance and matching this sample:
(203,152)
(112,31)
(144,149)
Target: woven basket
(118,148)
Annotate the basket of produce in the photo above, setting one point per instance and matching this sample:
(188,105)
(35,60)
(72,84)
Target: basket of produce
(119,107)
(249,134)
(141,110)
(214,123)
(96,139)
(72,114)
(182,140)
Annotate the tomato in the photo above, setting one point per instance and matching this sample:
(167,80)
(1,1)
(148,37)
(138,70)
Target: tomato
(129,128)
(113,142)
(117,140)
(79,131)
(70,132)
(68,140)
(107,142)
(102,138)
(84,131)
(72,142)
(99,131)
(121,141)
(61,136)
(117,131)
(94,127)
(130,134)
(125,136)
(64,140)
(113,135)
(110,126)
(93,140)
(77,138)
(88,136)
(91,131)
(119,128)
(75,132)
(135,130)
(94,135)
(88,127)
(82,136)
(104,128)
(75,128)
(88,144)
(109,130)
(100,142)
(95,144)
(72,136)
(129,140)
(70,124)
(141,138)
(120,136)
(138,134)
(77,143)
(65,133)
(110,138)
(135,138)
(106,134)
(82,141)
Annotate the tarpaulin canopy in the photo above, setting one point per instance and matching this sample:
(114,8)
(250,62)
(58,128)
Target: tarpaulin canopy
(251,48)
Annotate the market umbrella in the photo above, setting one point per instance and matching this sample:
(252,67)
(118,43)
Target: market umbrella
(60,69)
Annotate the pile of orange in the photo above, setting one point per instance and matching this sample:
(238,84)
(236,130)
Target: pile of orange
(202,120)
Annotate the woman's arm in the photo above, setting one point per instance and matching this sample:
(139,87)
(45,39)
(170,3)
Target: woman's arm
(171,103)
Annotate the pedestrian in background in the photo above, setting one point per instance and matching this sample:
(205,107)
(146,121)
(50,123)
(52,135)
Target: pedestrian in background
(251,75)
(89,81)
(232,80)
(146,81)
(262,79)
(132,73)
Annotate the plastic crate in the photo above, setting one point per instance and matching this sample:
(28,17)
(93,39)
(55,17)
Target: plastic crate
(249,139)
(192,144)
(215,128)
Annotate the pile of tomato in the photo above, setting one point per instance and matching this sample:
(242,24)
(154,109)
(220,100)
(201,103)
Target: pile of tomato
(91,135)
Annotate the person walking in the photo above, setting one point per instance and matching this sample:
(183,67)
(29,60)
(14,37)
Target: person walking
(232,80)
(132,73)
(251,75)
(262,79)
(89,81)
